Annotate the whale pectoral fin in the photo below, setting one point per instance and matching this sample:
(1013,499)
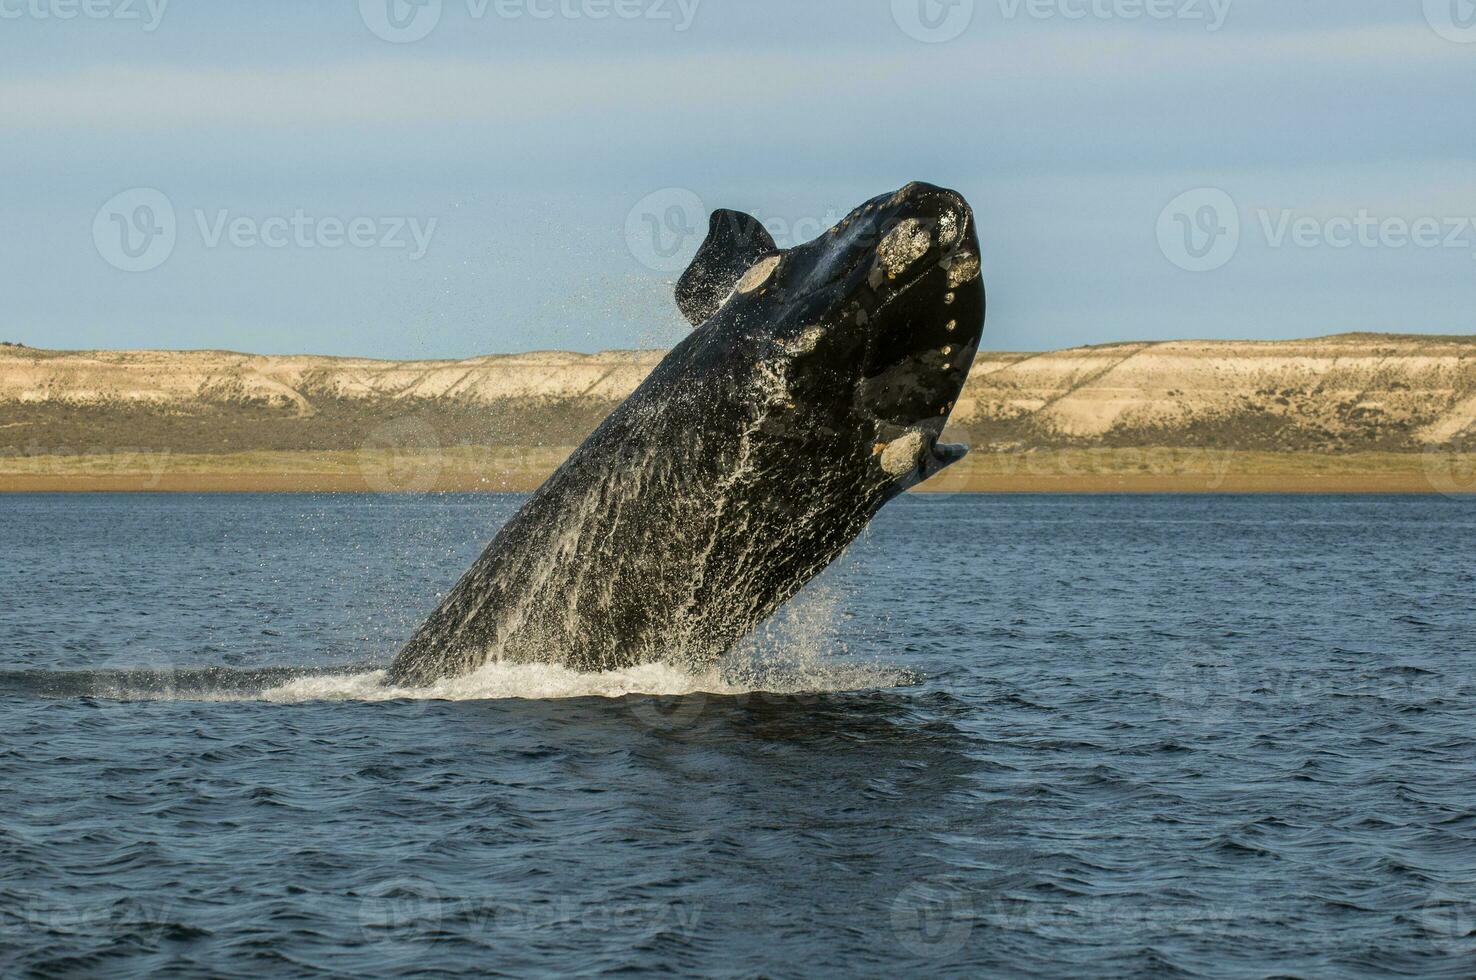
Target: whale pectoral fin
(948,453)
(735,241)
(928,465)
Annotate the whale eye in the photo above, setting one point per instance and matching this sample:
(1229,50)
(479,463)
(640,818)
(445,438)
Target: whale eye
(758,274)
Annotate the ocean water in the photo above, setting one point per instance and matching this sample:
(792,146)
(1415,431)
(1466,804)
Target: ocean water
(1059,736)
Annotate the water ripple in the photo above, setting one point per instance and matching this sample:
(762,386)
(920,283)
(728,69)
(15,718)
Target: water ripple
(1037,735)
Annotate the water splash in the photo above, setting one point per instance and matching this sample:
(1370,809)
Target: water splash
(501,680)
(795,653)
(798,651)
(497,681)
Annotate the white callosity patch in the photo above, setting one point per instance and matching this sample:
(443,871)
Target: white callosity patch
(963,268)
(807,341)
(948,229)
(903,245)
(900,455)
(758,274)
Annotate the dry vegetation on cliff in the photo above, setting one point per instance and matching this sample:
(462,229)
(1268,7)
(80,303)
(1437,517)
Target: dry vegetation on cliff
(1129,412)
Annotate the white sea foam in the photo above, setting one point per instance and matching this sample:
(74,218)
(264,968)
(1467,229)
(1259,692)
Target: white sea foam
(504,680)
(794,654)
(798,652)
(549,681)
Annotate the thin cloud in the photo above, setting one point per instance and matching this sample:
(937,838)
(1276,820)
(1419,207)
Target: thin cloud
(418,92)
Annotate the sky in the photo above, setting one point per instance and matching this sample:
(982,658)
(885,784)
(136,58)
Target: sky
(450,178)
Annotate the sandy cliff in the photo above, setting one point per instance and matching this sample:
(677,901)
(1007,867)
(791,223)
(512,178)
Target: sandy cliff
(1348,393)
(189,379)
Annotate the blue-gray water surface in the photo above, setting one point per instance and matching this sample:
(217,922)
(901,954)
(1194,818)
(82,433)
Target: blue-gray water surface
(1090,736)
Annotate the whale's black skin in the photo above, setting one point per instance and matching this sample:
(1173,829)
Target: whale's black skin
(747,461)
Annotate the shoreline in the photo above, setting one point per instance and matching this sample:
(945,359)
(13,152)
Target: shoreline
(515,470)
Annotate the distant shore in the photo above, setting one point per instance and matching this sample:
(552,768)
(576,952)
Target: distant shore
(504,469)
(1350,413)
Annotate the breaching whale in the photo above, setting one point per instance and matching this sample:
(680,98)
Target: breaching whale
(812,390)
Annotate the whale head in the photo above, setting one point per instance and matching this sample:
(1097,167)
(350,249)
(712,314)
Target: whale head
(869,329)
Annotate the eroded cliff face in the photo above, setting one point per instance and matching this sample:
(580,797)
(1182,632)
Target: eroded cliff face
(1342,393)
(217,401)
(1355,391)
(213,378)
